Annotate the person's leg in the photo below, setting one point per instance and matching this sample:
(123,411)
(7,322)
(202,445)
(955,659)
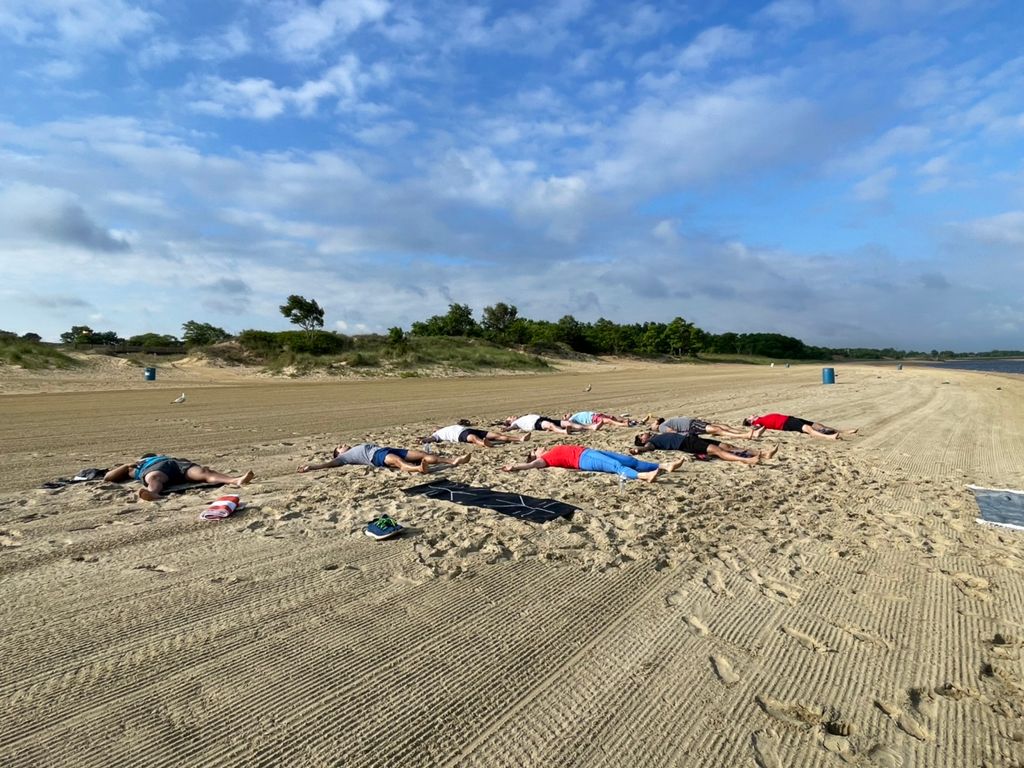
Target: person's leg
(809,429)
(198,474)
(632,462)
(395,461)
(474,440)
(829,430)
(727,452)
(154,482)
(600,461)
(550,426)
(497,437)
(724,430)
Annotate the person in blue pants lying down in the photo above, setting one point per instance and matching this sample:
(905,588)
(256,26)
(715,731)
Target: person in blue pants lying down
(585,459)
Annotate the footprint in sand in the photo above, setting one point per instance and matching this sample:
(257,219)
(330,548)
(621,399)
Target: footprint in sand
(865,636)
(955,692)
(716,583)
(836,743)
(924,702)
(766,749)
(973,586)
(675,598)
(724,669)
(156,568)
(85,559)
(10,539)
(885,756)
(904,720)
(791,712)
(783,593)
(697,626)
(807,641)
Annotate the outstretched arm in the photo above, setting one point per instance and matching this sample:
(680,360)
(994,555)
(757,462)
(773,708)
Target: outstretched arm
(119,474)
(535,464)
(641,449)
(312,467)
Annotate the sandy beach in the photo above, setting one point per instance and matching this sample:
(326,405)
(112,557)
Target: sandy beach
(836,605)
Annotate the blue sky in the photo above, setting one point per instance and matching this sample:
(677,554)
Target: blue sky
(850,172)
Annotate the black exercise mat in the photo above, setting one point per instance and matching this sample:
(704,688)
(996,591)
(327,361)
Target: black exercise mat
(512,504)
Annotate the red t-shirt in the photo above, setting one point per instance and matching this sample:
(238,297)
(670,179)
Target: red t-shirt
(770,421)
(564,456)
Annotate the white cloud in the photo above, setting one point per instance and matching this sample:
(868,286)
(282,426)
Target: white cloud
(308,29)
(262,99)
(73,26)
(29,212)
(1001,229)
(693,139)
(875,187)
(789,14)
(715,44)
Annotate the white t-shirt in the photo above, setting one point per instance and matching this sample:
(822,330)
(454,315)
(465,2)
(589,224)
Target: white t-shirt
(526,422)
(449,434)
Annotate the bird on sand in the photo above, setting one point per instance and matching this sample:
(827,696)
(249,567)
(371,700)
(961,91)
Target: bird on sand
(179,399)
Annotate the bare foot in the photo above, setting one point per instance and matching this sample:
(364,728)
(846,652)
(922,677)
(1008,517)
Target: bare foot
(147,495)
(756,434)
(752,460)
(649,477)
(853,431)
(462,459)
(525,437)
(672,466)
(245,479)
(770,452)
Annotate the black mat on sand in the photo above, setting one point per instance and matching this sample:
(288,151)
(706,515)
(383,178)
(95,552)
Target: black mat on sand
(511,504)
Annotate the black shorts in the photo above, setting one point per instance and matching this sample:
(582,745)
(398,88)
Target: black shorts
(465,434)
(793,424)
(175,469)
(698,427)
(691,443)
(537,426)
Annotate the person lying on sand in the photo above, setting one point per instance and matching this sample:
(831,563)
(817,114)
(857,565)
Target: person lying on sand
(157,471)
(586,418)
(463,432)
(785,423)
(699,447)
(692,425)
(590,460)
(532,422)
(370,455)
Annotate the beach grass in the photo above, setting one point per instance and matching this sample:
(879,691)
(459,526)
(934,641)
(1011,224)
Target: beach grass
(33,356)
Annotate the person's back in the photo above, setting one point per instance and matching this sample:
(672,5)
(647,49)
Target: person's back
(449,434)
(358,454)
(675,424)
(527,422)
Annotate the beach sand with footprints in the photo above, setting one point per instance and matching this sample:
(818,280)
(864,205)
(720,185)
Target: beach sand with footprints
(836,605)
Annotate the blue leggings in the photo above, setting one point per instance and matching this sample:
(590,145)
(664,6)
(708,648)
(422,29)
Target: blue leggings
(615,463)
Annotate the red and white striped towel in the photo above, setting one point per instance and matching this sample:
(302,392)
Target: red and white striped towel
(221,508)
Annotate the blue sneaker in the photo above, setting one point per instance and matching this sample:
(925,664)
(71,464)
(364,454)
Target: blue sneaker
(384,527)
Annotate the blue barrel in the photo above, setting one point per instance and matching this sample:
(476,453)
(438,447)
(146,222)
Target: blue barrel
(828,375)
(150,374)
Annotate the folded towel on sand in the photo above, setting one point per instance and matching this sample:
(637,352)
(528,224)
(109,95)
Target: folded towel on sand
(221,508)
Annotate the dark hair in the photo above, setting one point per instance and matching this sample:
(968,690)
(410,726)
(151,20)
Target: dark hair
(464,423)
(148,455)
(334,453)
(529,455)
(639,439)
(660,421)
(746,422)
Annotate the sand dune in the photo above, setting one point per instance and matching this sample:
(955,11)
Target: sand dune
(835,605)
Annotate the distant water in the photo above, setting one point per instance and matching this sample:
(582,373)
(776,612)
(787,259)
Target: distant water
(992,366)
